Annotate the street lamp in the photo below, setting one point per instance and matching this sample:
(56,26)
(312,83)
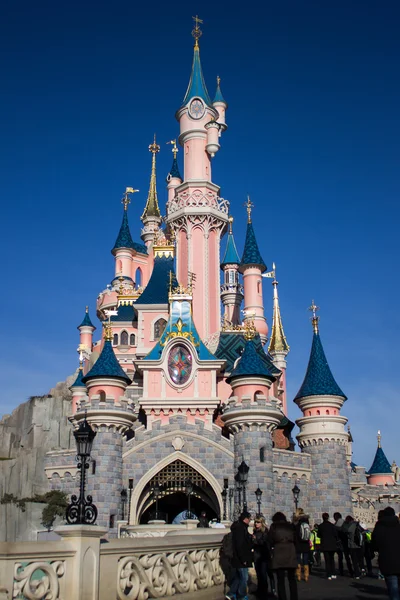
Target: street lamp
(224,495)
(243,474)
(231,494)
(156,492)
(124,498)
(130,486)
(258,494)
(296,494)
(189,490)
(81,510)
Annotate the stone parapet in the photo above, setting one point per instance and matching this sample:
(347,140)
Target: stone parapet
(252,415)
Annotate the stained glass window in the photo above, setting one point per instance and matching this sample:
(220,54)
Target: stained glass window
(124,338)
(159,327)
(179,364)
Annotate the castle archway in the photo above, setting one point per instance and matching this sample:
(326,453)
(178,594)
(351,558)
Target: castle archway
(171,476)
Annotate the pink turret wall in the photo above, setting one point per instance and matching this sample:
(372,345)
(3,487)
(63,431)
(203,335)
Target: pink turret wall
(182,259)
(212,281)
(123,262)
(250,390)
(384,479)
(86,336)
(253,299)
(114,391)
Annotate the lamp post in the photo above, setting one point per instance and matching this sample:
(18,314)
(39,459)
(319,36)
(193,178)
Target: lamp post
(238,506)
(81,511)
(231,494)
(296,494)
(258,494)
(124,498)
(189,490)
(224,495)
(130,486)
(156,492)
(243,474)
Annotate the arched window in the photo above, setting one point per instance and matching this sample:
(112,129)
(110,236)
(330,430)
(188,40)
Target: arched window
(102,395)
(159,327)
(258,287)
(124,338)
(138,277)
(115,339)
(327,412)
(132,339)
(262,454)
(318,412)
(231,277)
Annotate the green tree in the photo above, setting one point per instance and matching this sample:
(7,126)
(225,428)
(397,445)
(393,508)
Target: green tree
(56,503)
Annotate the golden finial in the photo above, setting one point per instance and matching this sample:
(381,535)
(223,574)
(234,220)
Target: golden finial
(379,438)
(107,331)
(151,209)
(218,80)
(278,342)
(249,205)
(87,309)
(81,360)
(174,148)
(121,285)
(314,319)
(196,32)
(125,198)
(230,220)
(154,147)
(249,330)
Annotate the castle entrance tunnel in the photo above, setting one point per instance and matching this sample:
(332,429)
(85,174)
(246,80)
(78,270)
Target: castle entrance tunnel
(171,485)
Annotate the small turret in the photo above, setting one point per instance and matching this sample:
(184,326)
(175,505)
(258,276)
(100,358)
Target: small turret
(174,177)
(86,329)
(124,247)
(220,105)
(252,266)
(78,388)
(380,472)
(231,290)
(151,216)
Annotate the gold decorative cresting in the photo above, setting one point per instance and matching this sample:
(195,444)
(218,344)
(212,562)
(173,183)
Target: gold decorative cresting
(174,148)
(196,32)
(151,209)
(379,438)
(314,319)
(126,198)
(249,205)
(179,333)
(163,245)
(278,342)
(107,331)
(250,330)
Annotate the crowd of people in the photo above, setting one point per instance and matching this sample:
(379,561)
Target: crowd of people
(289,550)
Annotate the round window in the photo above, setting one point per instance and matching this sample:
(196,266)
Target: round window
(179,364)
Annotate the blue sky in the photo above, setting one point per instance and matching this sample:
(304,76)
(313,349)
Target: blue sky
(313,91)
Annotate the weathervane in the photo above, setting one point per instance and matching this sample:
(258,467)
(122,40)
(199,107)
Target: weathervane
(154,147)
(314,319)
(196,32)
(249,205)
(125,198)
(174,148)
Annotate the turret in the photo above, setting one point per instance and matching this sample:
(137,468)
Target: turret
(78,388)
(124,246)
(252,266)
(251,416)
(322,432)
(380,472)
(231,290)
(174,177)
(278,347)
(151,216)
(86,329)
(220,105)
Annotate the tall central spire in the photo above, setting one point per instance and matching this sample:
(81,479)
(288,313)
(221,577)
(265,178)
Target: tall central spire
(151,208)
(197,86)
(278,343)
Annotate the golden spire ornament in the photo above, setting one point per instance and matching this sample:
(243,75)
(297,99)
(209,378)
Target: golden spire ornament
(126,198)
(151,209)
(174,148)
(107,331)
(314,319)
(379,438)
(249,205)
(278,342)
(196,31)
(230,220)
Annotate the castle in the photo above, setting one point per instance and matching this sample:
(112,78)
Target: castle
(186,382)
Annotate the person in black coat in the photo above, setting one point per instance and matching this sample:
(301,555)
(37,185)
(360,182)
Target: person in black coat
(386,540)
(329,536)
(282,537)
(262,558)
(242,557)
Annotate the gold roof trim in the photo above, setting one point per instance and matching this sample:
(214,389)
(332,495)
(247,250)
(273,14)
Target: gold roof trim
(152,209)
(278,342)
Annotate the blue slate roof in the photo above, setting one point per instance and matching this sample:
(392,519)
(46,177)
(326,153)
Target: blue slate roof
(107,365)
(180,310)
(251,363)
(86,321)
(231,254)
(197,86)
(78,381)
(218,95)
(380,464)
(125,313)
(251,253)
(124,239)
(318,380)
(174,172)
(231,346)
(156,291)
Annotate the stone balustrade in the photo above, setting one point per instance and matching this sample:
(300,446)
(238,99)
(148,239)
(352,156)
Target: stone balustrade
(81,567)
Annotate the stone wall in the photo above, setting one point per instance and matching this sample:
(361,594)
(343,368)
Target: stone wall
(291,468)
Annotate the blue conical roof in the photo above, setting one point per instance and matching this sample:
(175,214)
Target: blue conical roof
(318,380)
(156,291)
(107,365)
(78,381)
(86,321)
(197,86)
(174,172)
(218,94)
(231,256)
(251,364)
(124,239)
(380,464)
(251,253)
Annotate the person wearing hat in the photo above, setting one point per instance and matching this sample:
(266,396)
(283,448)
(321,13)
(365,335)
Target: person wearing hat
(242,557)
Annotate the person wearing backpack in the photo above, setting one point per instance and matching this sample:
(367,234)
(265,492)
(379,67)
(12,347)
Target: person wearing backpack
(242,557)
(355,540)
(303,543)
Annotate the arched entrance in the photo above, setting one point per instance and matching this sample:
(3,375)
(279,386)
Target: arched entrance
(172,498)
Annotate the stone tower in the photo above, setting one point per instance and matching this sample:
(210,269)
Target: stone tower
(252,416)
(322,433)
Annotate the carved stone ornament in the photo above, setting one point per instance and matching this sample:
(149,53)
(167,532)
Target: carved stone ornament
(178,442)
(38,580)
